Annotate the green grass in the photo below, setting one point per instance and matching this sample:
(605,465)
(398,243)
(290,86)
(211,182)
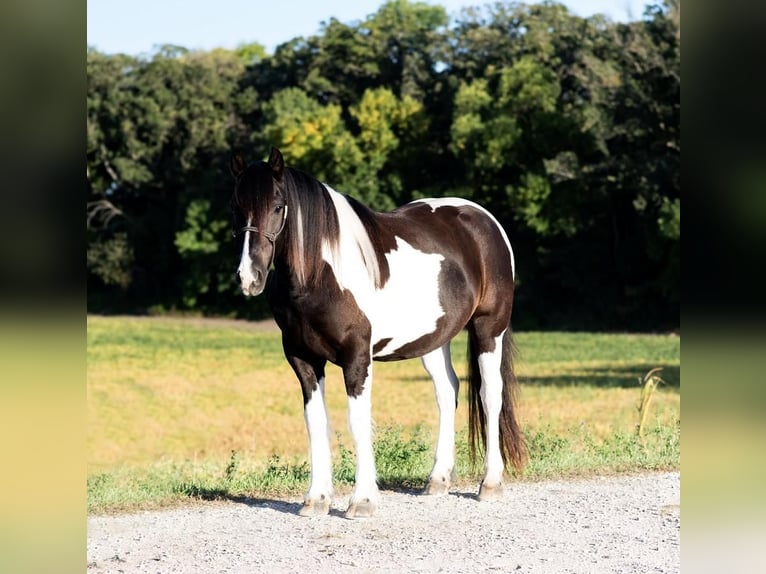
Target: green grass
(403,461)
(182,410)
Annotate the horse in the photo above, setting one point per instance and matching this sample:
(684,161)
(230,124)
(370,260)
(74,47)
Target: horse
(352,286)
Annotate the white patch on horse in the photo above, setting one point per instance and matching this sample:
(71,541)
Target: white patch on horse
(245,269)
(438,202)
(398,311)
(408,306)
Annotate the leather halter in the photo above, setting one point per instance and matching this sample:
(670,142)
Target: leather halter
(272,237)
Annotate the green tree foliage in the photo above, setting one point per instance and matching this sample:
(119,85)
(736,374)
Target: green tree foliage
(313,135)
(157,134)
(567,128)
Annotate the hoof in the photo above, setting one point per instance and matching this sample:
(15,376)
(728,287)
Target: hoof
(491,492)
(362,509)
(315,507)
(437,487)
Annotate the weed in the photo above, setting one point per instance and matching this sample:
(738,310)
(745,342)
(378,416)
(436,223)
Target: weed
(543,445)
(280,477)
(648,386)
(344,469)
(232,467)
(400,460)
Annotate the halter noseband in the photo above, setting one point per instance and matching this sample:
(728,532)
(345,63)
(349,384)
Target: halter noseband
(272,237)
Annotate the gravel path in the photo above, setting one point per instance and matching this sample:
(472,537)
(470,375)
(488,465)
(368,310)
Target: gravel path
(614,524)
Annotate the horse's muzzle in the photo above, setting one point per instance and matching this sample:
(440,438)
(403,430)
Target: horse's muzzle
(252,290)
(254,284)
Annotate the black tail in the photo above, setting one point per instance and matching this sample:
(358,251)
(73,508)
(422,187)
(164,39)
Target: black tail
(512,445)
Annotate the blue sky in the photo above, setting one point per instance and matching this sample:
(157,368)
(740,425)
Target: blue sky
(137,26)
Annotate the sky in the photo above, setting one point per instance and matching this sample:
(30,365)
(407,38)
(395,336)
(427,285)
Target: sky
(136,27)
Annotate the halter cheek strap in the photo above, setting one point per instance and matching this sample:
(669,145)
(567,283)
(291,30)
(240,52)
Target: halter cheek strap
(272,237)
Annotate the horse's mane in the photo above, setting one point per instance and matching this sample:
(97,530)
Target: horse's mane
(314,223)
(317,213)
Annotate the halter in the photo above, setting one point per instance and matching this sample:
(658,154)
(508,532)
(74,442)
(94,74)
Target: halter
(272,237)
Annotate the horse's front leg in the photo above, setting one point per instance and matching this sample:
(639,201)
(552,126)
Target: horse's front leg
(311,376)
(358,378)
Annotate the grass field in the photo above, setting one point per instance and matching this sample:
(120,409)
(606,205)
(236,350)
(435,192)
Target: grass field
(180,408)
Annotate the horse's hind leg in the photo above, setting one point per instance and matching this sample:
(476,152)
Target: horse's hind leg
(487,351)
(438,364)
(492,400)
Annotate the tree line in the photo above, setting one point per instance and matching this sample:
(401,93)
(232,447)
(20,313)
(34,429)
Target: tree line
(566,128)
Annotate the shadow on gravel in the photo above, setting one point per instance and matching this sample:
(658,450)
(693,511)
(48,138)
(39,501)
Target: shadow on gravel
(279,505)
(468,495)
(293,508)
(222,494)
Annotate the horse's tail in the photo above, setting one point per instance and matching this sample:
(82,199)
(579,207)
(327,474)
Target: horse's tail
(512,445)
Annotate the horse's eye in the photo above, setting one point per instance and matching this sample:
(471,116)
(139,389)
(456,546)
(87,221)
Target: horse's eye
(278,208)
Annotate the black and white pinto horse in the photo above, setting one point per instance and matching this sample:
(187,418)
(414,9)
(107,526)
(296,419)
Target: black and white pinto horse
(351,286)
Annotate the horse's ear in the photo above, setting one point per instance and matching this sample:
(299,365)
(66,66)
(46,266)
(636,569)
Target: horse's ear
(276,163)
(237,165)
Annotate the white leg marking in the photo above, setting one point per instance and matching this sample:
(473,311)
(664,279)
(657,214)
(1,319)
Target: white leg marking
(360,423)
(318,428)
(438,364)
(492,398)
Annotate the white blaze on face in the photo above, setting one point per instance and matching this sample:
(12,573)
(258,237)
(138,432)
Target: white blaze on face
(245,268)
(408,306)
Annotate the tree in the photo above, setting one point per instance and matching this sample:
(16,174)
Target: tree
(542,127)
(567,128)
(157,129)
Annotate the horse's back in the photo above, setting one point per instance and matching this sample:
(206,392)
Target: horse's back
(455,223)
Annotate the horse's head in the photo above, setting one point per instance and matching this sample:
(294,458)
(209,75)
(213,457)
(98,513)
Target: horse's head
(260,213)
